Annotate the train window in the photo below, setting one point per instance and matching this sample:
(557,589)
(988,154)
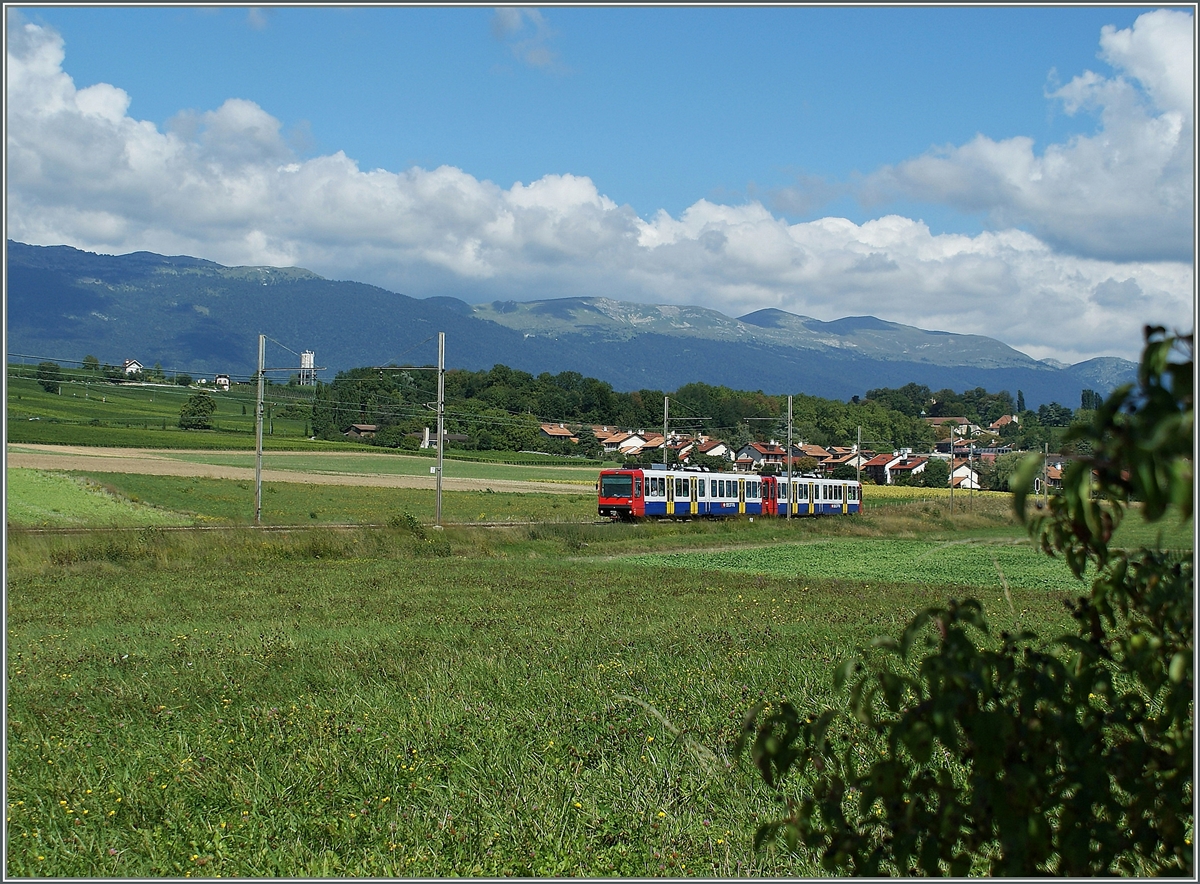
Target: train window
(616,486)
(700,487)
(713,486)
(637,486)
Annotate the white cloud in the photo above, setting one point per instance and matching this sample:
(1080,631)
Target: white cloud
(1125,193)
(224,185)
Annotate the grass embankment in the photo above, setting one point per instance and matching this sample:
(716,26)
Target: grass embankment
(110,499)
(37,498)
(410,702)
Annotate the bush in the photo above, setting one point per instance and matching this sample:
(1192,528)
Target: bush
(49,375)
(197,412)
(1021,757)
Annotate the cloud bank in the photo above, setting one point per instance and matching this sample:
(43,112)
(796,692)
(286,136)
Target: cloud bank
(225,185)
(1125,193)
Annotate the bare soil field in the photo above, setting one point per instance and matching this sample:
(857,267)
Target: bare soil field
(155,463)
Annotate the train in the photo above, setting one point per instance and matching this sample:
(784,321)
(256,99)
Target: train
(661,492)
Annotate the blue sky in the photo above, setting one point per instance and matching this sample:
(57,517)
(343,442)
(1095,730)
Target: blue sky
(605,151)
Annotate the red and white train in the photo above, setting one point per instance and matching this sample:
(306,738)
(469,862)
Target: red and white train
(663,493)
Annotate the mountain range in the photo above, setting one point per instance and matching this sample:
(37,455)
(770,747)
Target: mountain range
(199,317)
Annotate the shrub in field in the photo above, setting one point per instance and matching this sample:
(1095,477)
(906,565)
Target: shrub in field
(49,375)
(197,412)
(1019,757)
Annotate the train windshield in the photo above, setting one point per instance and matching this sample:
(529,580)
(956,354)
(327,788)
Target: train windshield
(616,486)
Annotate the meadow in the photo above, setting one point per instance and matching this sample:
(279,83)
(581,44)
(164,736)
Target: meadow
(548,699)
(554,696)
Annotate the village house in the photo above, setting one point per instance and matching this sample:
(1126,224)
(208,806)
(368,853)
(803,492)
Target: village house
(361,431)
(958,426)
(908,468)
(132,366)
(623,443)
(757,455)
(221,382)
(964,475)
(878,468)
(558,432)
(714,448)
(1003,421)
(848,457)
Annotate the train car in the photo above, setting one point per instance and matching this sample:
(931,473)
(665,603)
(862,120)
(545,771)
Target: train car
(665,493)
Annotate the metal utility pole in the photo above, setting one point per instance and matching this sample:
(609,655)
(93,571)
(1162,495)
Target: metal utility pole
(858,458)
(258,422)
(970,475)
(441,422)
(665,448)
(952,469)
(789,458)
(1045,475)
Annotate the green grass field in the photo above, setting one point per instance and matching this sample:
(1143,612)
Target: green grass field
(551,699)
(37,498)
(397,702)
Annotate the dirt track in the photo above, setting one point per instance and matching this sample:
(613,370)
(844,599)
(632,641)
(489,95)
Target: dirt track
(155,463)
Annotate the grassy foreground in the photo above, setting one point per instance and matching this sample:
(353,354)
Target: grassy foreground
(518,701)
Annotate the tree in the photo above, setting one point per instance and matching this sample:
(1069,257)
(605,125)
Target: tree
(1020,401)
(804,465)
(1022,757)
(91,364)
(197,412)
(710,462)
(1004,470)
(589,445)
(936,474)
(1090,400)
(1054,415)
(844,471)
(183,380)
(49,375)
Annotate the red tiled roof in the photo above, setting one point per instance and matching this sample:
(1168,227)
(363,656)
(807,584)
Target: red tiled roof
(938,421)
(880,460)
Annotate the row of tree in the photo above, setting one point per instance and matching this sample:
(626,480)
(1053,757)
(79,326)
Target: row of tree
(503,407)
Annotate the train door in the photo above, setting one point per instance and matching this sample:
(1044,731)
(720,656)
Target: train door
(670,496)
(694,507)
(770,503)
(812,498)
(741,496)
(842,489)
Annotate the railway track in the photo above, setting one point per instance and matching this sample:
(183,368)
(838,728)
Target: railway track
(271,529)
